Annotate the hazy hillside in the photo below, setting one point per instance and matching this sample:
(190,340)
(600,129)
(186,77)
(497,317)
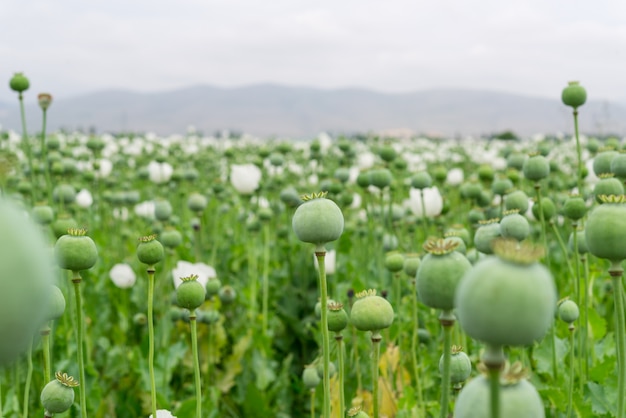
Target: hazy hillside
(300,112)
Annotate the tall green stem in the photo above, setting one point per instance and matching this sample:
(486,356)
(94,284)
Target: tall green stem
(579,154)
(414,347)
(585,313)
(45,341)
(616,273)
(447,322)
(44,156)
(253,276)
(26,145)
(29,376)
(341,373)
(570,390)
(376,338)
(312,396)
(76,279)
(151,272)
(1,414)
(196,362)
(493,358)
(266,272)
(320,254)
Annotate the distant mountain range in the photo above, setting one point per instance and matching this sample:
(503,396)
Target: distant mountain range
(301,112)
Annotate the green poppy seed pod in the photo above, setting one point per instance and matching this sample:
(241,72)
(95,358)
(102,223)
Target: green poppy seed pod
(140,319)
(337,317)
(387,153)
(606,228)
(319,367)
(371,312)
(501,187)
(171,238)
(212,287)
(568,311)
(486,233)
(439,274)
(394,261)
(516,200)
(208,317)
(516,160)
(190,293)
(582,242)
(276,160)
(342,174)
(518,399)
(318,307)
(64,193)
(513,225)
(475,216)
(574,95)
(423,335)
(459,231)
(390,242)
(57,303)
(58,395)
(421,180)
(19,83)
(310,378)
(290,197)
(536,168)
(547,207)
(265,214)
(227,294)
(162,210)
(411,265)
(381,178)
(602,162)
(507,299)
(458,241)
(76,251)
(364,179)
(44,100)
(150,251)
(460,366)
(197,202)
(43,214)
(471,190)
(318,221)
(618,165)
(607,186)
(62,224)
(574,208)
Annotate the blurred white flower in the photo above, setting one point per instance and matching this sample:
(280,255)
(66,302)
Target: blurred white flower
(163,413)
(245,178)
(329,261)
(366,160)
(84,199)
(186,269)
(145,209)
(455,177)
(120,213)
(160,172)
(106,167)
(122,275)
(591,175)
(433,202)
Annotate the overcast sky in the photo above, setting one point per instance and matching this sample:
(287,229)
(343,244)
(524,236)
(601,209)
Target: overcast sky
(533,47)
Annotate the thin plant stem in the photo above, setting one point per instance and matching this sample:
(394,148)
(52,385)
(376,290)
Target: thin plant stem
(578,154)
(265,276)
(494,388)
(570,390)
(44,156)
(341,373)
(447,322)
(45,341)
(252,276)
(76,279)
(563,249)
(29,376)
(196,362)
(26,145)
(1,414)
(616,273)
(376,338)
(414,348)
(153,397)
(312,396)
(320,254)
(585,313)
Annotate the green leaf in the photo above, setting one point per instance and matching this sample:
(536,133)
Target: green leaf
(601,402)
(543,354)
(597,325)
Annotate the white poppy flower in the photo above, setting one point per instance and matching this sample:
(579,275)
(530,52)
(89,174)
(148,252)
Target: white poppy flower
(160,172)
(84,199)
(122,276)
(455,177)
(145,209)
(245,178)
(433,202)
(163,413)
(186,269)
